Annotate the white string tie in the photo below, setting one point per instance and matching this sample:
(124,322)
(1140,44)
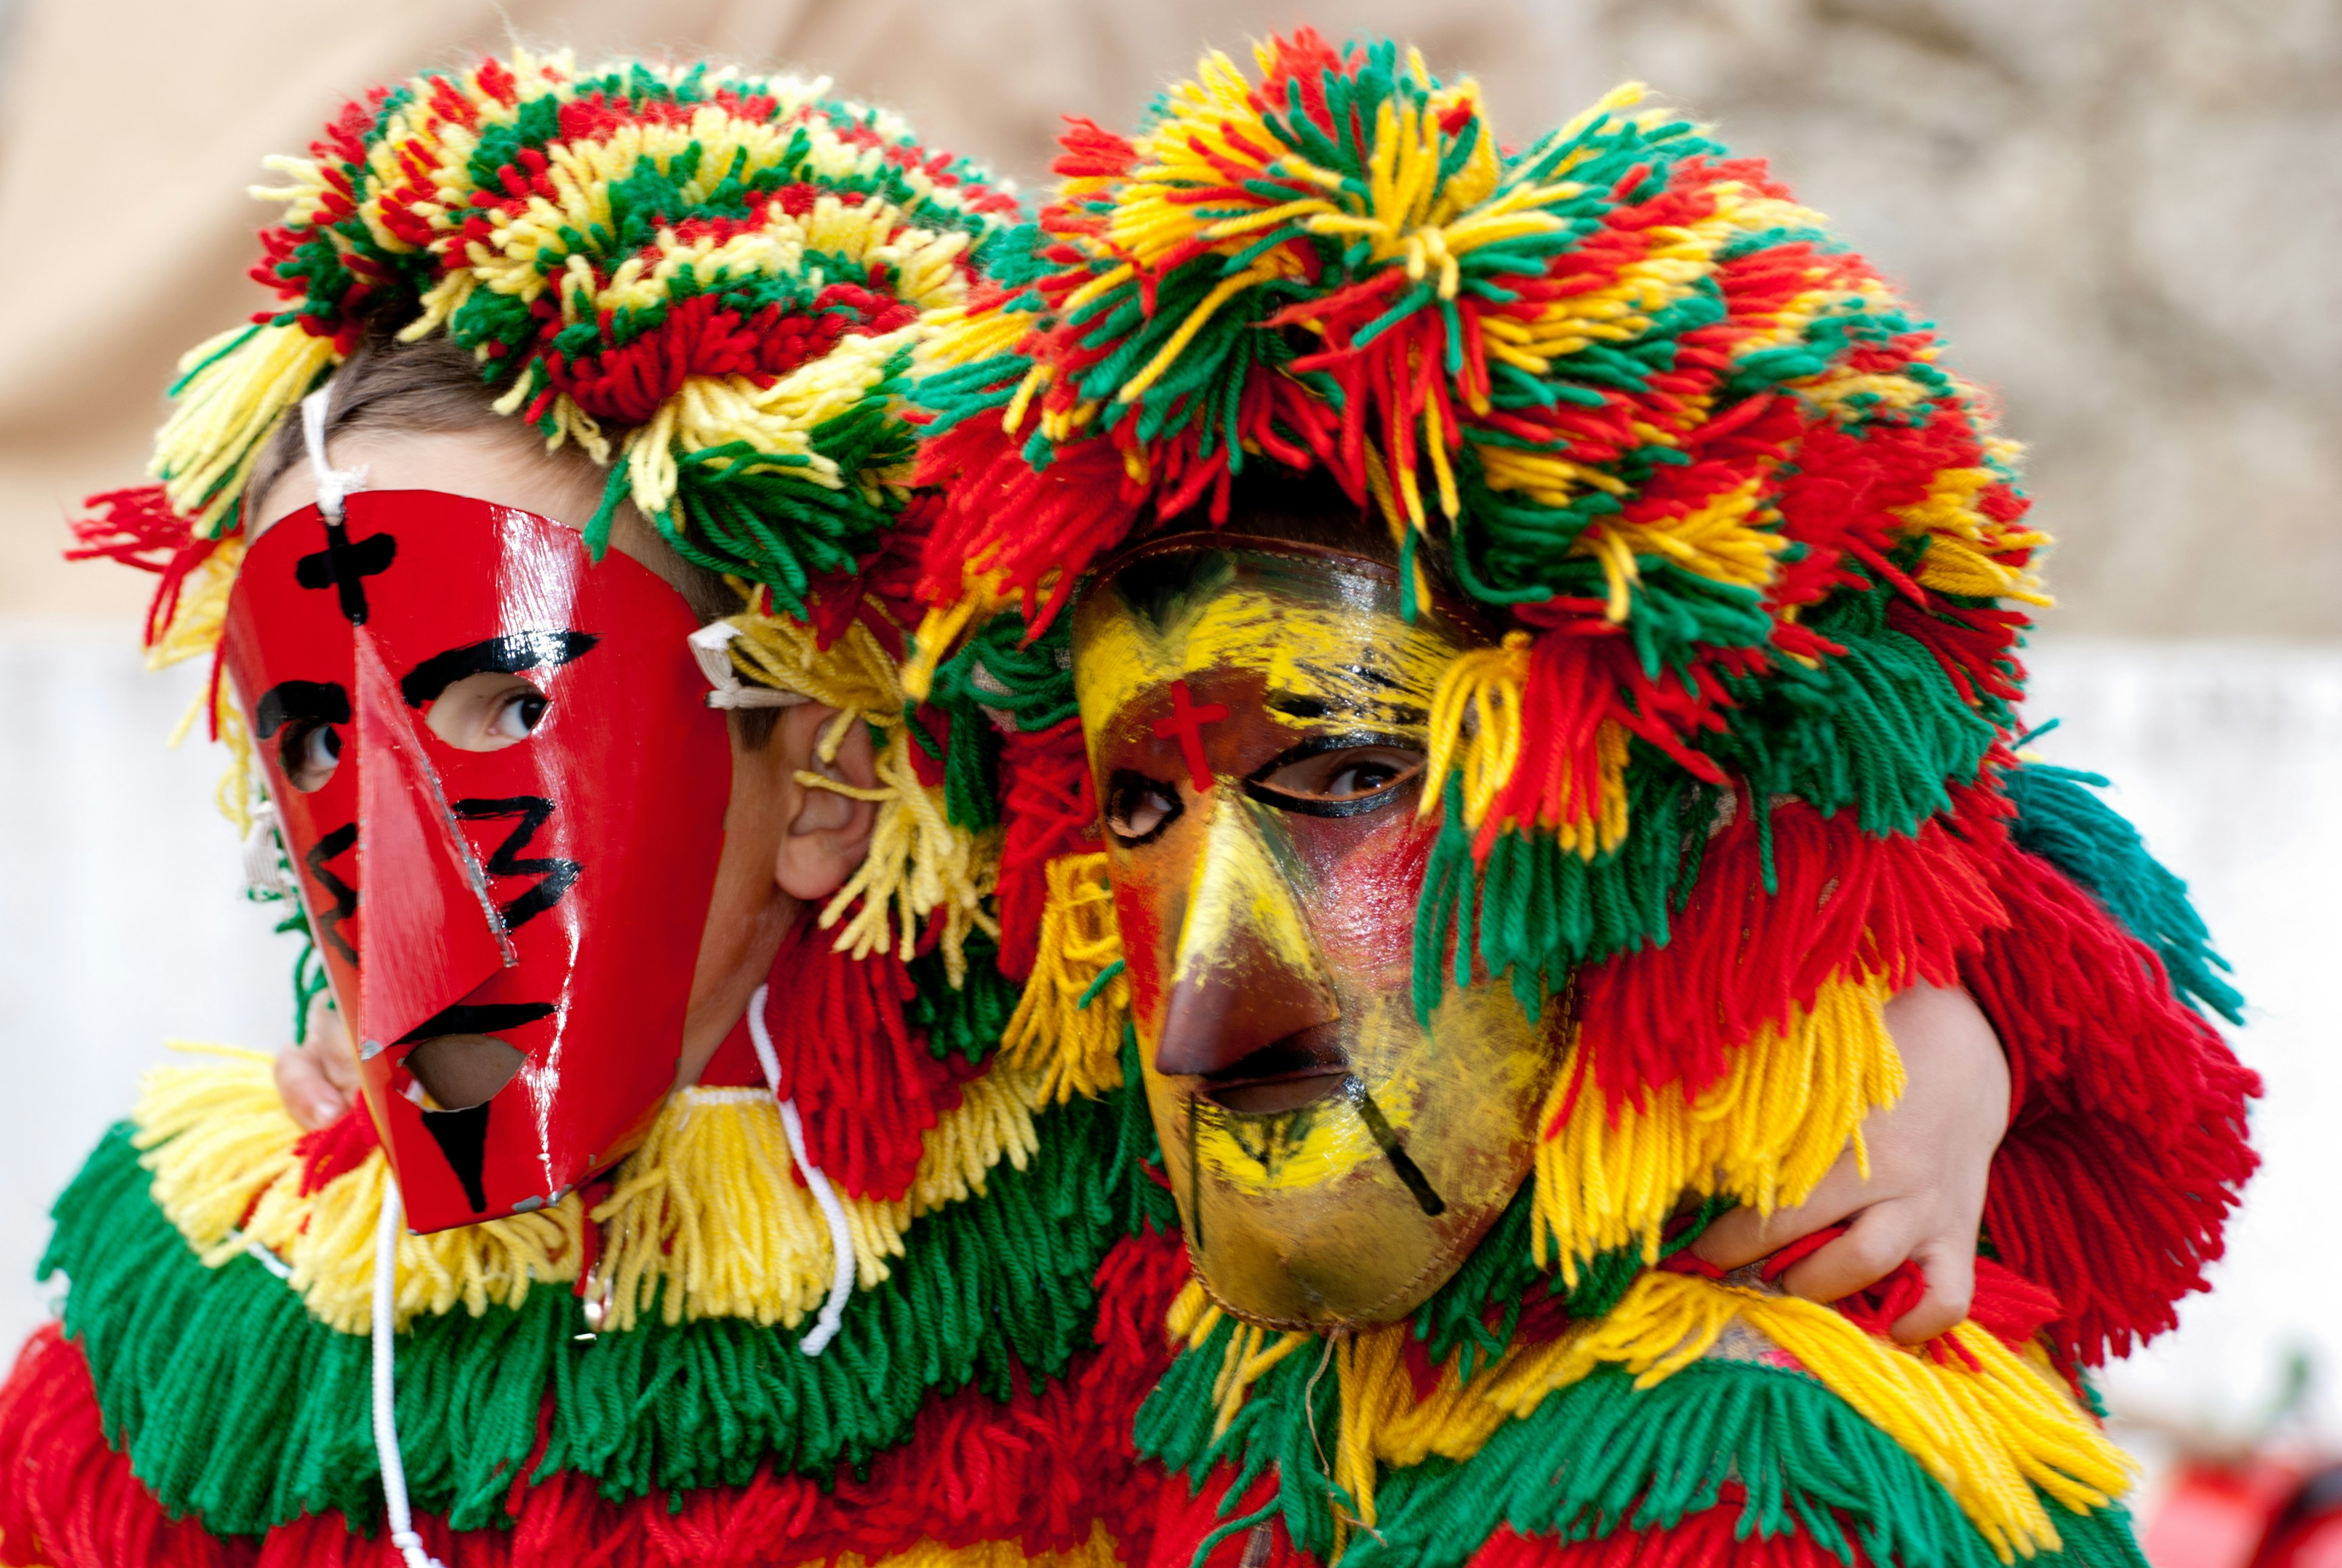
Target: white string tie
(712,647)
(841,1240)
(263,856)
(395,1509)
(334,484)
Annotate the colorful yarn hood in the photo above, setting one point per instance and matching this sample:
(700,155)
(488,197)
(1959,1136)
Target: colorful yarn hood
(711,283)
(1639,403)
(1740,767)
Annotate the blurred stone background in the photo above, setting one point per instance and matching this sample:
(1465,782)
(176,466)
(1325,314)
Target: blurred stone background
(2125,213)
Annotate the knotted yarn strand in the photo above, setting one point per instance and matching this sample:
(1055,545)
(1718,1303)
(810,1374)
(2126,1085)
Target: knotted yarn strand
(386,1414)
(841,1239)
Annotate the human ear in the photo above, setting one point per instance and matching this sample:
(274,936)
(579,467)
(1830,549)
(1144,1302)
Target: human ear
(824,833)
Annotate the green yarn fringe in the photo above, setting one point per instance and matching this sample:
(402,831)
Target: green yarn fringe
(1601,1455)
(233,1402)
(2060,820)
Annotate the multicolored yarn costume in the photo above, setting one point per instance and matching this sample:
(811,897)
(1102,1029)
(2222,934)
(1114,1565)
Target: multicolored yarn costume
(1741,767)
(714,284)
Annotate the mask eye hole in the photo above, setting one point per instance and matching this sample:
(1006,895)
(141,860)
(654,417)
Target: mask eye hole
(1138,808)
(487,712)
(1338,775)
(309,752)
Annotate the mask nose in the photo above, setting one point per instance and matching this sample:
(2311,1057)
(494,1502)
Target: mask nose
(430,937)
(1246,973)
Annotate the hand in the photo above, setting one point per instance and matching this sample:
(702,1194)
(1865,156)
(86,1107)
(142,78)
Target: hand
(1930,1155)
(318,1082)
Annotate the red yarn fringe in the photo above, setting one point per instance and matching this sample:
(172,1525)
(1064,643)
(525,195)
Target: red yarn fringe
(862,1077)
(1708,1539)
(1038,1470)
(1904,907)
(2129,1146)
(139,528)
(1049,802)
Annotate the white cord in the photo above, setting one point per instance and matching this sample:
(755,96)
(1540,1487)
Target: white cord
(334,484)
(712,647)
(386,1414)
(841,1240)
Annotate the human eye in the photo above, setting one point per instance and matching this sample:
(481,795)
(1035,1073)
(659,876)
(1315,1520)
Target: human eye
(487,712)
(519,713)
(310,751)
(1338,775)
(1138,808)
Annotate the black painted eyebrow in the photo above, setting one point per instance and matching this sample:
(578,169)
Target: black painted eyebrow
(285,701)
(505,655)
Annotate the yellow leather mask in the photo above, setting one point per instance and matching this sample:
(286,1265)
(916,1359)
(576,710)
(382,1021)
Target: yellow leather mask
(1256,713)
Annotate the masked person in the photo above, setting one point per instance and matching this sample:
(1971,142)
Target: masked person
(1544,624)
(553,536)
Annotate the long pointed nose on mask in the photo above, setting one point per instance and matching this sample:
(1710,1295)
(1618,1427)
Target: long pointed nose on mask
(1248,999)
(431,935)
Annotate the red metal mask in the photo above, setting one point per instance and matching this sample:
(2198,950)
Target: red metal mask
(519,923)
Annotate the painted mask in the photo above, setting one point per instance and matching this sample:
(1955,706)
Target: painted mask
(1256,713)
(510,932)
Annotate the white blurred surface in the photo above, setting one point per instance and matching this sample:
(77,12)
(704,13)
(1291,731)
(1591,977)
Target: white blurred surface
(123,924)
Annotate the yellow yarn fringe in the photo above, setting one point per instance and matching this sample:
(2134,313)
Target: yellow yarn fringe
(1067,1026)
(1989,1433)
(227,410)
(1098,1552)
(220,1146)
(1613,1175)
(1476,728)
(919,865)
(709,1204)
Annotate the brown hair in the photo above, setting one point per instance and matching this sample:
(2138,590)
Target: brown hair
(434,387)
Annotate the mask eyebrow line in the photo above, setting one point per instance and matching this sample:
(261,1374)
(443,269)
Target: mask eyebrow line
(1318,744)
(285,701)
(505,655)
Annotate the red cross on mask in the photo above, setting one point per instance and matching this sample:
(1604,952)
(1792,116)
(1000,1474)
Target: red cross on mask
(1187,722)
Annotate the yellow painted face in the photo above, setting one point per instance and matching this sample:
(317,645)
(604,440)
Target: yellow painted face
(1256,716)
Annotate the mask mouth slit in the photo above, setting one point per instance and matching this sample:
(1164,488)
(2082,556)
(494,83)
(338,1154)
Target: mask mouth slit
(1194,1174)
(1394,1148)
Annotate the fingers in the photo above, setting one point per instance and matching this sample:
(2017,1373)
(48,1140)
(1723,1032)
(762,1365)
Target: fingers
(1744,1234)
(1950,1268)
(306,1084)
(331,1045)
(1880,1238)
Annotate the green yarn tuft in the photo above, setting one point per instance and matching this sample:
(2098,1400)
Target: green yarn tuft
(233,1402)
(2060,820)
(970,1017)
(1601,1455)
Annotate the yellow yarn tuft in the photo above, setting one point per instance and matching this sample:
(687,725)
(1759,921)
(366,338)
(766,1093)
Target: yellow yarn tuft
(220,1149)
(1476,728)
(238,387)
(1989,1433)
(1068,1023)
(1611,1174)
(1987,1423)
(709,1206)
(919,865)
(1098,1552)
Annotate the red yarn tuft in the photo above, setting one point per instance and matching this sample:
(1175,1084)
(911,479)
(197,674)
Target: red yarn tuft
(863,1078)
(1049,800)
(337,1148)
(1904,907)
(1037,1469)
(1711,1538)
(139,528)
(2129,1146)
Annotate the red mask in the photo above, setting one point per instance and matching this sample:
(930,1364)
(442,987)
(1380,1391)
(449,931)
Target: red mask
(540,902)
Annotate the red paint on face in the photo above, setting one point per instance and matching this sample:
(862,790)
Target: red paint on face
(1368,879)
(580,859)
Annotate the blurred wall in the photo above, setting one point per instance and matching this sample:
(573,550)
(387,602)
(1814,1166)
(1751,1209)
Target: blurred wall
(2124,210)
